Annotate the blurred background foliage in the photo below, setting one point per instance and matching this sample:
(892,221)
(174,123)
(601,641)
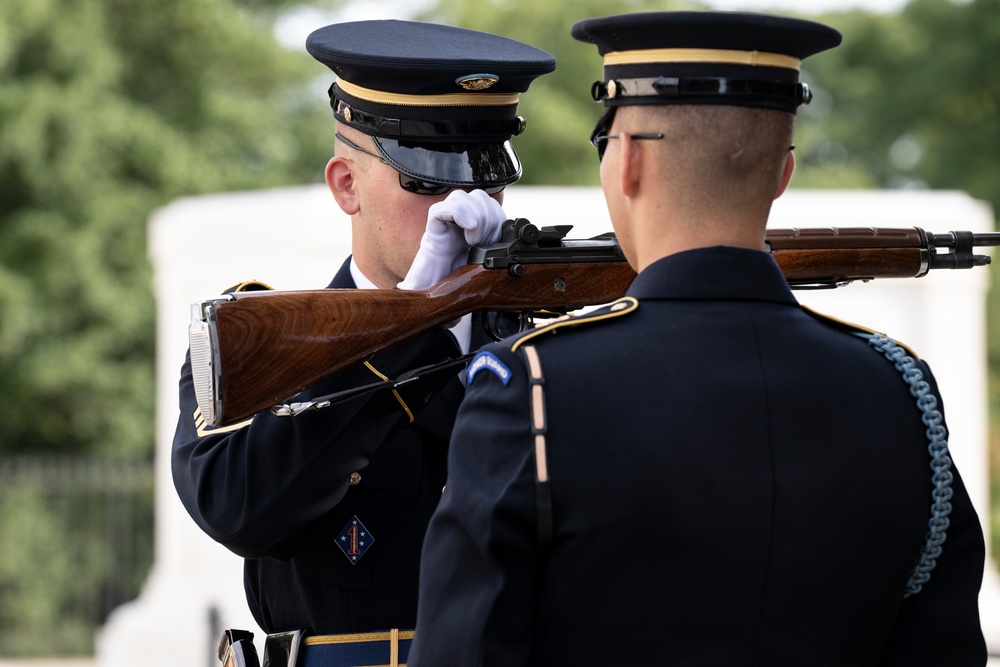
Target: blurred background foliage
(112,108)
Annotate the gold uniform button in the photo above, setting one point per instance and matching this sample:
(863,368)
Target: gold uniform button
(355,479)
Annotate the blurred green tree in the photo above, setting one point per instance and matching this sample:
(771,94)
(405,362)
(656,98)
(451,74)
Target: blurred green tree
(914,108)
(56,582)
(108,109)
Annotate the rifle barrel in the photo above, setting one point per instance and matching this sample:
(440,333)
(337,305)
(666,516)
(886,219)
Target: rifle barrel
(979,240)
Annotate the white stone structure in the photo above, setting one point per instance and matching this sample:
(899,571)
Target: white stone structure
(296,238)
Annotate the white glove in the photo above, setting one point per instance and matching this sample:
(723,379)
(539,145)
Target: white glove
(461,220)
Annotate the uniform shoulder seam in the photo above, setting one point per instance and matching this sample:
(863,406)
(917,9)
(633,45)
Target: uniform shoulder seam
(619,308)
(853,328)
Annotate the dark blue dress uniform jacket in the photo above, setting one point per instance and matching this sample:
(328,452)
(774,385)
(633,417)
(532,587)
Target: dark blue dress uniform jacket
(733,480)
(277,491)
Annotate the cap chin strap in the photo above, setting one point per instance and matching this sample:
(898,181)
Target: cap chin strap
(793,94)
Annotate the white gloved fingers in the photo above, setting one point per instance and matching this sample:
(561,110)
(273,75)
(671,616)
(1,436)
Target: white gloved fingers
(454,224)
(487,223)
(479,215)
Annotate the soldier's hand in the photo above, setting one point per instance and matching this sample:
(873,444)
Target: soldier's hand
(461,220)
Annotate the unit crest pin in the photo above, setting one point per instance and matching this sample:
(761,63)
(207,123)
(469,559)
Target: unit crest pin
(477,81)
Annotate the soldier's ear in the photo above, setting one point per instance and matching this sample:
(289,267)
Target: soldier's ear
(786,174)
(340,179)
(629,165)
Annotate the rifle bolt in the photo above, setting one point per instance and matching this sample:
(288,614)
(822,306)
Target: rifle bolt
(516,270)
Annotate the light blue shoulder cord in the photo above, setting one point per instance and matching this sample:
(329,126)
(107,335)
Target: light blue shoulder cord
(940,459)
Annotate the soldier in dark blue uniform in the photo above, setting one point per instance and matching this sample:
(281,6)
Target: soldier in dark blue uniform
(703,473)
(329,508)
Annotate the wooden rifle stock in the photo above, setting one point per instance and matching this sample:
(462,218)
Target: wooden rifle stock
(253,350)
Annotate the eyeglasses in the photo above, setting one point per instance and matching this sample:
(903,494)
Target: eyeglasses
(599,137)
(600,141)
(415,185)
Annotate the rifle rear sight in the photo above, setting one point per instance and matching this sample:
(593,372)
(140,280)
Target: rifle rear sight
(523,243)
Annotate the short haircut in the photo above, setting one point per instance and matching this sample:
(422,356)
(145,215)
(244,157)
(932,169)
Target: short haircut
(726,153)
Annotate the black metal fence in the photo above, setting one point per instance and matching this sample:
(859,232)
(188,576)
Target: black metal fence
(76,540)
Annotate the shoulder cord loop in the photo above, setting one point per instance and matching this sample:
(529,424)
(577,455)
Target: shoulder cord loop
(940,459)
(539,428)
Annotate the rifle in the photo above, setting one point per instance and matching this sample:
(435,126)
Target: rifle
(253,350)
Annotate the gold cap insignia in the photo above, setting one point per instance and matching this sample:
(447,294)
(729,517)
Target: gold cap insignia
(477,81)
(343,110)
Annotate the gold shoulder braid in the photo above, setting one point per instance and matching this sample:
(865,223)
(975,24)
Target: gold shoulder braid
(621,307)
(249,286)
(850,327)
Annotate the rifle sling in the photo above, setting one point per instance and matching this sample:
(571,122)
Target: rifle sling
(409,377)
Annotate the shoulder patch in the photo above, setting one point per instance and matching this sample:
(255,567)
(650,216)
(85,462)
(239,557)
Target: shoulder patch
(249,286)
(487,361)
(851,328)
(619,308)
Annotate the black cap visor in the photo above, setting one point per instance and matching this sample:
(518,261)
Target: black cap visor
(458,165)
